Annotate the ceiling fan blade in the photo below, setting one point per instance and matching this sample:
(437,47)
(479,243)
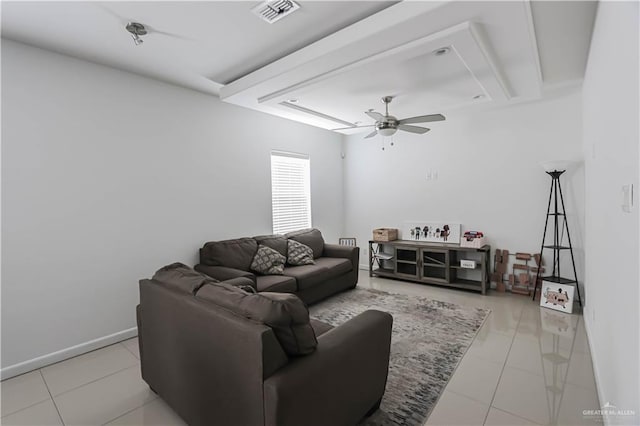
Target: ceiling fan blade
(120,19)
(354,127)
(153,30)
(375,115)
(372,134)
(423,119)
(413,129)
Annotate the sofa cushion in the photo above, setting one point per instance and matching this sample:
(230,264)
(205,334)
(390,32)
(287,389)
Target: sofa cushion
(307,275)
(276,242)
(268,261)
(309,237)
(285,313)
(299,254)
(336,266)
(276,283)
(324,269)
(182,278)
(236,253)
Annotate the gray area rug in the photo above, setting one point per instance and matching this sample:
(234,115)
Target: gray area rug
(428,340)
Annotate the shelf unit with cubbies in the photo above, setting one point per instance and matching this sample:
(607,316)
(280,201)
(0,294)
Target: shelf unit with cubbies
(430,263)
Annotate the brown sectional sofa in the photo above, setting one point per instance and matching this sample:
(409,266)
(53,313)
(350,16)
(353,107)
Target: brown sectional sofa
(335,268)
(221,355)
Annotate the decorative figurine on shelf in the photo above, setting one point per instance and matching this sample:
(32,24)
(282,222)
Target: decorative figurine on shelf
(436,232)
(445,233)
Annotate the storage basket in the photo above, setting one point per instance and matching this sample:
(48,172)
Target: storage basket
(385,234)
(474,243)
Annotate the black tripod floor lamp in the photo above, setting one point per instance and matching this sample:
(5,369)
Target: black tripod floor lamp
(556,213)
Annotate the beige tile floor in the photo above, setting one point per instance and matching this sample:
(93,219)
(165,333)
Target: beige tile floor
(526,366)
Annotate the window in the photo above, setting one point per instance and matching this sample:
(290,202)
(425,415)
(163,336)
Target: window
(290,192)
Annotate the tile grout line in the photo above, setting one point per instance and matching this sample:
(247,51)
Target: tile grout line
(504,365)
(95,380)
(130,411)
(24,408)
(39,370)
(125,346)
(51,396)
(465,354)
(516,415)
(529,372)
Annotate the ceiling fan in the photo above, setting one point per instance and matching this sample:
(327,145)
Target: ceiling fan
(387,125)
(138,30)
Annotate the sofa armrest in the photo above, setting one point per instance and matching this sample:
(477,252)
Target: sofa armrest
(335,250)
(347,372)
(345,252)
(223,273)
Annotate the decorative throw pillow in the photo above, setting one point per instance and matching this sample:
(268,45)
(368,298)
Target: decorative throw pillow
(268,261)
(299,254)
(311,237)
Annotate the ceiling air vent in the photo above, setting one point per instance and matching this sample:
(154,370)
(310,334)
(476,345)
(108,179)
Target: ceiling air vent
(272,11)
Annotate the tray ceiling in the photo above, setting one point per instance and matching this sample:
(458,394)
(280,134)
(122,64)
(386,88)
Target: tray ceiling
(493,59)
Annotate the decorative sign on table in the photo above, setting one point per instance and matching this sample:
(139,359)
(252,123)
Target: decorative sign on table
(433,232)
(557,296)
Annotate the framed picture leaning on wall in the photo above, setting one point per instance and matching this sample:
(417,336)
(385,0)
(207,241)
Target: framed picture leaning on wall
(557,296)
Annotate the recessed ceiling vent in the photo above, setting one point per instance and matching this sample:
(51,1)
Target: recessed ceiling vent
(272,11)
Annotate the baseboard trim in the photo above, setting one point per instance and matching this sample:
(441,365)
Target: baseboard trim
(596,371)
(61,355)
(364,267)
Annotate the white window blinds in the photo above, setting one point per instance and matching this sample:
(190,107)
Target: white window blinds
(290,192)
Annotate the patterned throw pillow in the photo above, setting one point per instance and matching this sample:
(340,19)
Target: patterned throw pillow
(299,254)
(268,261)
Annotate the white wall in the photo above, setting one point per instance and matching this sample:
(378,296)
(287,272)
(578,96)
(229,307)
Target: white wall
(489,178)
(107,176)
(611,137)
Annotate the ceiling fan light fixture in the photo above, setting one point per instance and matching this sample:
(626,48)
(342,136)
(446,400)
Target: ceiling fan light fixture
(136,30)
(387,132)
(386,129)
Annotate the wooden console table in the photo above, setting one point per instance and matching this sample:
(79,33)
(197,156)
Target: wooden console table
(430,263)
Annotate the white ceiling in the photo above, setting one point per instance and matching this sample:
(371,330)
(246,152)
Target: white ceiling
(196,44)
(336,58)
